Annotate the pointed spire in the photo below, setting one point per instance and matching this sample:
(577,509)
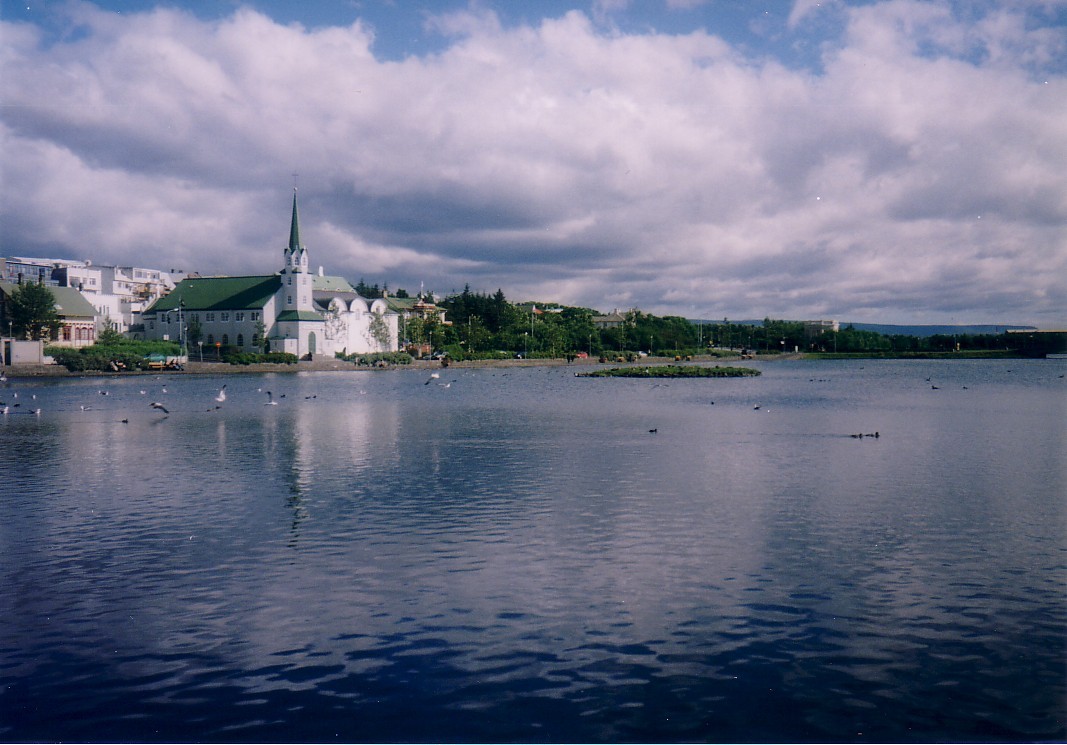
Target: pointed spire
(294,229)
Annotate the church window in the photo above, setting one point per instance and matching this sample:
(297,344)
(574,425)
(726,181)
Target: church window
(290,300)
(211,340)
(239,316)
(210,317)
(225,316)
(240,340)
(225,340)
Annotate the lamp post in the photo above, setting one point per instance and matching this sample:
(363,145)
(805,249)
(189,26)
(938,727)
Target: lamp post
(201,345)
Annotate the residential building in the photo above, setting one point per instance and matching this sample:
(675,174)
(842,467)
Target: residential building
(77,316)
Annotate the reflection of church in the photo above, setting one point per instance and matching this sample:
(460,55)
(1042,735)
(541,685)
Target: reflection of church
(293,311)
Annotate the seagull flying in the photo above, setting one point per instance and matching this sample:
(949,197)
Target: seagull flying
(158,405)
(433,377)
(270,400)
(222,395)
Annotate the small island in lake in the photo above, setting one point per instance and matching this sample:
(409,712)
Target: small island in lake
(671,371)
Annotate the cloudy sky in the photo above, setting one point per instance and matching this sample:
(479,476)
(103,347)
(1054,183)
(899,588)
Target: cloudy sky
(882,161)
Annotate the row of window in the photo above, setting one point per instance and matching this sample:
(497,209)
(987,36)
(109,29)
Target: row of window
(238,317)
(225,340)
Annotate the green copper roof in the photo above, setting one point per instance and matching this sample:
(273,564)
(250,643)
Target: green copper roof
(294,228)
(219,293)
(298,315)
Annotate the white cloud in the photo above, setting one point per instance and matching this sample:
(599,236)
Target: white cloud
(559,163)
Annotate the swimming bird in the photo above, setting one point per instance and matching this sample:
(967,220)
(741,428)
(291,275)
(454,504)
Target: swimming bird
(755,407)
(222,395)
(653,431)
(125,421)
(270,400)
(158,405)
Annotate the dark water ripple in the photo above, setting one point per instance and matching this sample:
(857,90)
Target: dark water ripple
(517,558)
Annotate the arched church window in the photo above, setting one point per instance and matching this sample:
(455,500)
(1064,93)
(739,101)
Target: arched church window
(225,340)
(240,340)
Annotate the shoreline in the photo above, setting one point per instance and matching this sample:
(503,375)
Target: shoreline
(336,365)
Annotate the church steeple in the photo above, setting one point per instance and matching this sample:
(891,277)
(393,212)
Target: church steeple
(294,229)
(296,256)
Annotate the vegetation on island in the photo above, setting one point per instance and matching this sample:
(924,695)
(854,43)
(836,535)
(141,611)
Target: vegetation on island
(671,371)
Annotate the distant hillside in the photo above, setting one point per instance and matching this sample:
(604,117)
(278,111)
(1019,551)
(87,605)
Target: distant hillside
(912,330)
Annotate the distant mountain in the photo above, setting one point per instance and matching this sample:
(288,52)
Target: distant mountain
(932,330)
(919,330)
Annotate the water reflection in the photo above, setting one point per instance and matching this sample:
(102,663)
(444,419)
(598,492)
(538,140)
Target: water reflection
(517,557)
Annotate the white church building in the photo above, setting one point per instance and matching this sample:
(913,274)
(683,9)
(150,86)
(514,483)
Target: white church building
(291,311)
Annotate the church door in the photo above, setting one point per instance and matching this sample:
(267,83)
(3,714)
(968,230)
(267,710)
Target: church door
(311,343)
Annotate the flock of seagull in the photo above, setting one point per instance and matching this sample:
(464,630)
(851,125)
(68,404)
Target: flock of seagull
(221,397)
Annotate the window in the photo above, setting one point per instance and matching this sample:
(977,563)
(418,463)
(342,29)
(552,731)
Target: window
(290,300)
(225,340)
(211,340)
(239,316)
(209,317)
(240,340)
(255,315)
(225,316)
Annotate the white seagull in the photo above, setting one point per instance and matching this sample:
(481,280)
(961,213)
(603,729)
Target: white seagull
(270,400)
(158,405)
(222,395)
(433,377)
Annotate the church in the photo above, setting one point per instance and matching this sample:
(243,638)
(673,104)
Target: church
(291,311)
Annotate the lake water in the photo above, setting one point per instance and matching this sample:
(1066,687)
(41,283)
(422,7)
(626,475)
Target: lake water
(511,555)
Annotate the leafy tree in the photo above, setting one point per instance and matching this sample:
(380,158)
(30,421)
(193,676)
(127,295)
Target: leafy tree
(32,310)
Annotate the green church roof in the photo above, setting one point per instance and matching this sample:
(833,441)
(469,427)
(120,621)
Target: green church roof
(219,293)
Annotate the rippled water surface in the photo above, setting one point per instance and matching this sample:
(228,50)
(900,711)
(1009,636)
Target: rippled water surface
(516,557)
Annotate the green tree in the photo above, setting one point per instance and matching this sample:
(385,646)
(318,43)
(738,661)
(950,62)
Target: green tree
(32,310)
